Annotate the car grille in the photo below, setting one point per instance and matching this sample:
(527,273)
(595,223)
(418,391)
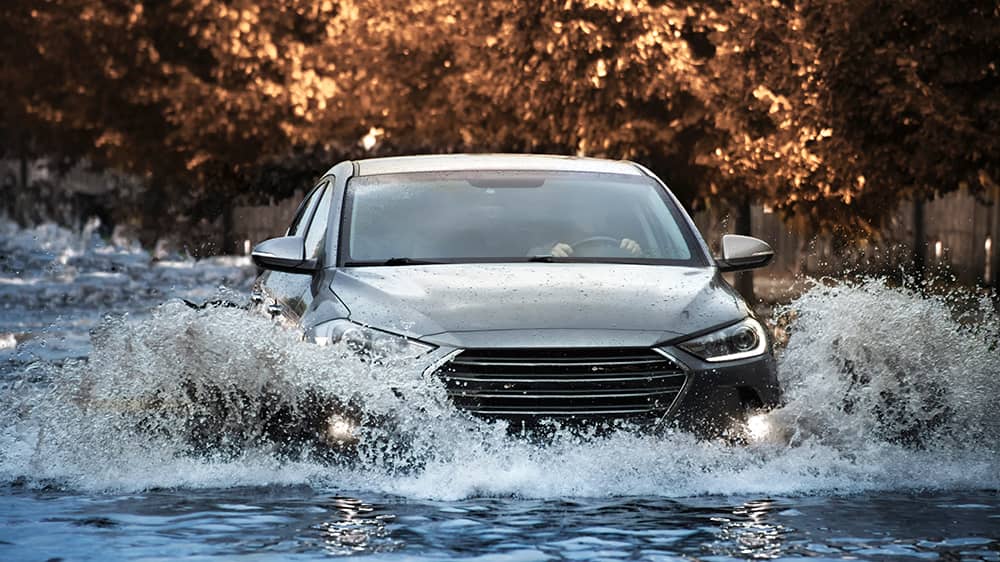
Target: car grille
(563,383)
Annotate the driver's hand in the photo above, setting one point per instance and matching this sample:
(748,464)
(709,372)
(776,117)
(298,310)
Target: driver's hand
(630,246)
(561,250)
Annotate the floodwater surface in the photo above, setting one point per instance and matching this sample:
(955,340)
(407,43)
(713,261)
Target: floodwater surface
(888,446)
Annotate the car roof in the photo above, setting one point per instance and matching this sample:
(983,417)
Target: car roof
(493,162)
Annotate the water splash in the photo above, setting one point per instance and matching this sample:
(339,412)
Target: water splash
(870,363)
(886,389)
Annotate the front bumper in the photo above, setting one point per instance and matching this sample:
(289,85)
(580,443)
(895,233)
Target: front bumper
(717,395)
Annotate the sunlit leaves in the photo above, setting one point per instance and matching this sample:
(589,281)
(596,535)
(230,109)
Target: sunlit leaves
(831,110)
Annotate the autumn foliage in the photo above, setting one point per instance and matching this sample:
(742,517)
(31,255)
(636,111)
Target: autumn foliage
(829,110)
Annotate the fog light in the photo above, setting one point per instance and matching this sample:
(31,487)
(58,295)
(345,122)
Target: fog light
(340,430)
(758,427)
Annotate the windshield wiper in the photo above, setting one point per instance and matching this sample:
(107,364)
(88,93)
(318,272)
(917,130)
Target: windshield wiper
(391,261)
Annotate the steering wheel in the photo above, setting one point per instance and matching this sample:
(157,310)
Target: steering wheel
(600,246)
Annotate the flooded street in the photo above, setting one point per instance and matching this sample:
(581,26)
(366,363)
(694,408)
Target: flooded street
(888,446)
(318,522)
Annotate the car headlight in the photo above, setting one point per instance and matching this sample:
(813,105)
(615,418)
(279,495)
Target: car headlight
(739,341)
(365,341)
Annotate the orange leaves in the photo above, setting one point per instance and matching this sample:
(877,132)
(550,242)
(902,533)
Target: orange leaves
(799,103)
(778,102)
(136,14)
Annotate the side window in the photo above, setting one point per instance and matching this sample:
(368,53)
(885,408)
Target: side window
(303,212)
(317,229)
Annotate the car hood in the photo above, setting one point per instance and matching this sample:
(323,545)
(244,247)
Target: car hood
(538,304)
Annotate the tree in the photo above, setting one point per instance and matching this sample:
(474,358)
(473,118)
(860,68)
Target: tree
(830,110)
(862,103)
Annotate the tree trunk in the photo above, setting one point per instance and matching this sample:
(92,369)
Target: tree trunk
(995,243)
(744,225)
(919,240)
(228,242)
(22,199)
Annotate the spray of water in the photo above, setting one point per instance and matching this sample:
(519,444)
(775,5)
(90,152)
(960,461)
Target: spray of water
(885,389)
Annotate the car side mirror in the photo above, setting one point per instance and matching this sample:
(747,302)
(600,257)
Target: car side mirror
(287,254)
(743,252)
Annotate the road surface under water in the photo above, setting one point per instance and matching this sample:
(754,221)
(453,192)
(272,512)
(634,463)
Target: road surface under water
(888,446)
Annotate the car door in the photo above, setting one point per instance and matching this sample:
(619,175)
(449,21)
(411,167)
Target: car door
(286,296)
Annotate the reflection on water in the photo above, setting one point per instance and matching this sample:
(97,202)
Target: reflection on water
(749,532)
(309,524)
(354,527)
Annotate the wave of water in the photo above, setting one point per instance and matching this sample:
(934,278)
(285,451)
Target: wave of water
(886,389)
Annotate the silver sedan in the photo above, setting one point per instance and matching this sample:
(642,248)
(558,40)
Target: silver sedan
(535,287)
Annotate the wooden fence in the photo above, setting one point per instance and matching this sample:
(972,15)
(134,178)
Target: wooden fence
(252,224)
(961,237)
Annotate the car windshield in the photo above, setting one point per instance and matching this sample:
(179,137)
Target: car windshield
(428,217)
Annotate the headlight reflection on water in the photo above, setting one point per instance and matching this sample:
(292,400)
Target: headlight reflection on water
(356,528)
(749,533)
